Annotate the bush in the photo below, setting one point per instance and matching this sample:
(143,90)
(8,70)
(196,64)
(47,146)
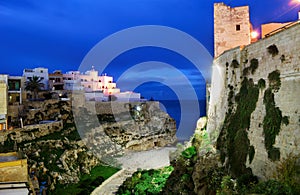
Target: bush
(274,80)
(261,83)
(273,50)
(288,172)
(146,182)
(234,64)
(285,120)
(272,187)
(189,152)
(253,65)
(271,124)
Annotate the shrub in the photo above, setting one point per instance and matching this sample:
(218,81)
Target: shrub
(253,65)
(246,71)
(146,182)
(271,124)
(233,140)
(272,187)
(261,83)
(189,152)
(274,80)
(273,50)
(234,64)
(285,120)
(288,172)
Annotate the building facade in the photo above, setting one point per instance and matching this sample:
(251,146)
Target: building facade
(39,72)
(3,101)
(56,81)
(90,82)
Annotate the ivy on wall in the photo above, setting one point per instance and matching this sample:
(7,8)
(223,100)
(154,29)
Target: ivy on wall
(273,119)
(233,141)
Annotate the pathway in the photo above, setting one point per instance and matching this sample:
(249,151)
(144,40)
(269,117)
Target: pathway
(151,159)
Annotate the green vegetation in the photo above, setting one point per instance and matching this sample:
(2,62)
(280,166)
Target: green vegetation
(201,141)
(246,71)
(87,183)
(146,182)
(273,119)
(233,141)
(234,63)
(271,124)
(288,172)
(252,68)
(273,50)
(274,80)
(34,84)
(253,65)
(261,83)
(285,120)
(287,179)
(189,152)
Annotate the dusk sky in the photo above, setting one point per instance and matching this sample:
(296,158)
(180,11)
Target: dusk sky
(57,34)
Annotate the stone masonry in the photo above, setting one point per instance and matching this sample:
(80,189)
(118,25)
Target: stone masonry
(232,27)
(287,61)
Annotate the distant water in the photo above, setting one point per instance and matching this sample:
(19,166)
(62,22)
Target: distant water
(190,116)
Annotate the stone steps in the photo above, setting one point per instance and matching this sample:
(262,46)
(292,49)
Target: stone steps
(111,185)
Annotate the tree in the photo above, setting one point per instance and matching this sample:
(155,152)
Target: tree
(34,85)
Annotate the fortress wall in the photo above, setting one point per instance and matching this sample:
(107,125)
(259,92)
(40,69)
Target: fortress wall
(287,98)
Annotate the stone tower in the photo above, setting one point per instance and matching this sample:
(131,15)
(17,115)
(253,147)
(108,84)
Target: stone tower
(232,27)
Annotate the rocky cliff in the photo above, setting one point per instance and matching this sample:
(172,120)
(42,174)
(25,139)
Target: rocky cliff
(57,147)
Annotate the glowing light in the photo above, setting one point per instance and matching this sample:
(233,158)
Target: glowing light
(294,2)
(254,34)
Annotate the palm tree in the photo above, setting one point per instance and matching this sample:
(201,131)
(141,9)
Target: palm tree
(34,85)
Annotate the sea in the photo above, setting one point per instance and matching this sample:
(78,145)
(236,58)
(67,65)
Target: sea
(186,114)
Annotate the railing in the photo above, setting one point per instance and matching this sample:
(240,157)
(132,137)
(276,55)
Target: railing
(282,28)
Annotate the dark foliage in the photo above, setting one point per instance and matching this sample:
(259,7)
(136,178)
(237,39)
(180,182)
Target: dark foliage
(273,50)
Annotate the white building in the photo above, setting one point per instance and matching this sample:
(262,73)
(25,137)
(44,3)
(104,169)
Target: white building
(128,96)
(39,72)
(90,82)
(97,88)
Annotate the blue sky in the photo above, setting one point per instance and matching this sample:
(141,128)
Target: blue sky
(58,34)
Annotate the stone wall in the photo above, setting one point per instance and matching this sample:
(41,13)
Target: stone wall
(287,62)
(30,132)
(118,107)
(231,27)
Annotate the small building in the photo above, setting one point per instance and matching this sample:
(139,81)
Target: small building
(56,81)
(16,92)
(39,72)
(90,82)
(14,174)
